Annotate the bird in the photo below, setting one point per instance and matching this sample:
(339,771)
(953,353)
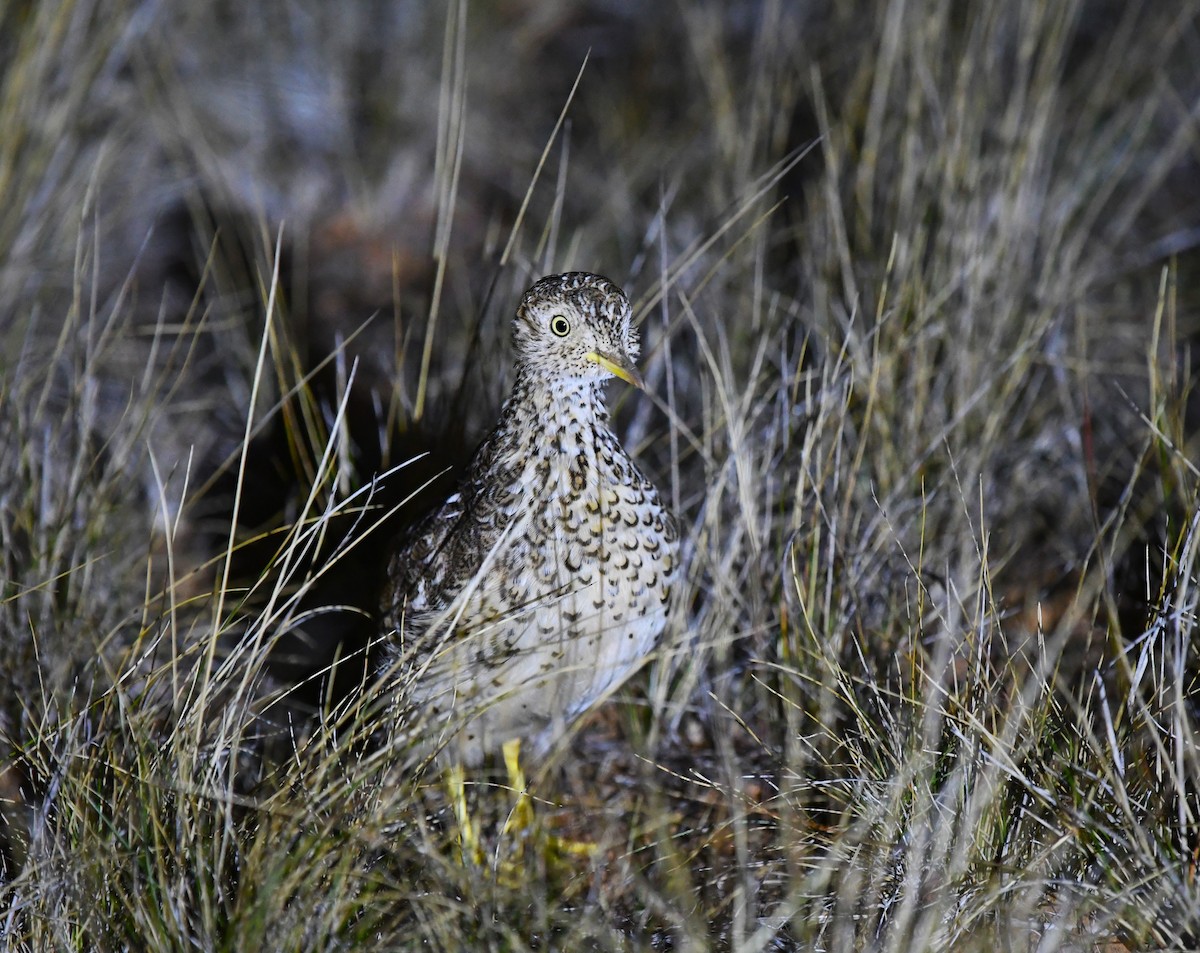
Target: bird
(546,578)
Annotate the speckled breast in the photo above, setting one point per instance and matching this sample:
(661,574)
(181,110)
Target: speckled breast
(575,597)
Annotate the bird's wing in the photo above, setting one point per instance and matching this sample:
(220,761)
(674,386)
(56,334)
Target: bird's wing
(444,551)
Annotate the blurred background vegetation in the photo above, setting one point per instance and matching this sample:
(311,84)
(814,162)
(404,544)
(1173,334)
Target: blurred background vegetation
(918,283)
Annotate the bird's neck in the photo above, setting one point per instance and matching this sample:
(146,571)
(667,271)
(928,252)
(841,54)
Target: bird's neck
(542,416)
(554,402)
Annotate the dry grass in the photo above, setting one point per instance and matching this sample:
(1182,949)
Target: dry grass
(917,286)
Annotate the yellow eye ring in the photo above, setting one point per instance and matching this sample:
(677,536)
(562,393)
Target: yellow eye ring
(560,326)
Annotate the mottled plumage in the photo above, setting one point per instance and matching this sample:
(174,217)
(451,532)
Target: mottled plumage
(543,582)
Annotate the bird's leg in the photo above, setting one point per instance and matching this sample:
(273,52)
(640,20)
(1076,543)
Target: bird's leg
(521,816)
(468,836)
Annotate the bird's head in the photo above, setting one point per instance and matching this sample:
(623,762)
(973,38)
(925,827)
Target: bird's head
(575,328)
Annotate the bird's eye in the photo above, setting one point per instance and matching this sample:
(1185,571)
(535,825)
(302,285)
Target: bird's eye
(560,325)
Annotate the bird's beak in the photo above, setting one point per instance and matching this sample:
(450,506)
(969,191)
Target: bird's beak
(618,366)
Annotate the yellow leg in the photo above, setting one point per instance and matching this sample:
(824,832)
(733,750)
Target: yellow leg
(468,836)
(522,820)
(521,816)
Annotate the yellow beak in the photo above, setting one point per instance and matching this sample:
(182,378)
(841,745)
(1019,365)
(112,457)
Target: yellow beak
(620,367)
